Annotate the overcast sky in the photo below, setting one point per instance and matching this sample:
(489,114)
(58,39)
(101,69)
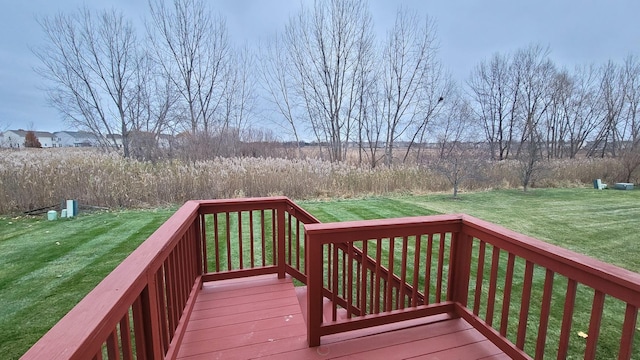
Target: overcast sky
(577,32)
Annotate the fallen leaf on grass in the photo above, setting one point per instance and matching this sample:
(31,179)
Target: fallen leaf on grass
(582,334)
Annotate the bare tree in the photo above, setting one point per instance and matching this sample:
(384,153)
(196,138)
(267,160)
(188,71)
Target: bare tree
(536,72)
(612,96)
(409,66)
(90,63)
(154,112)
(238,103)
(277,81)
(328,46)
(439,92)
(495,92)
(192,47)
(631,130)
(459,157)
(629,152)
(581,112)
(556,127)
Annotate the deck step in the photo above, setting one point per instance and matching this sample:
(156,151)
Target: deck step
(327,306)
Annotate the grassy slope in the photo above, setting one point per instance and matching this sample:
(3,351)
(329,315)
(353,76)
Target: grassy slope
(601,224)
(48,266)
(40,280)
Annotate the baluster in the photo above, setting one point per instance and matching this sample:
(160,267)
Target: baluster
(440,267)
(567,317)
(349,286)
(403,273)
(628,331)
(334,290)
(263,238)
(377,275)
(112,345)
(493,280)
(479,278)
(229,267)
(216,241)
(506,299)
(251,239)
(125,337)
(240,241)
(363,280)
(524,306)
(544,314)
(427,276)
(594,325)
(388,293)
(416,271)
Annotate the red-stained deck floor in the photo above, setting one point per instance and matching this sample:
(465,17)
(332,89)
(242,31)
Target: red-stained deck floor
(261,317)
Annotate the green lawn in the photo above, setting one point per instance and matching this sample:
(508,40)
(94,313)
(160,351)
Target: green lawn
(48,266)
(602,224)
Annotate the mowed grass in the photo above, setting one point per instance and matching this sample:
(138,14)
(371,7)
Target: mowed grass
(41,280)
(600,224)
(46,267)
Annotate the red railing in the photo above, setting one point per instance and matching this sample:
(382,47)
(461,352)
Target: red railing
(246,237)
(138,310)
(540,297)
(141,309)
(378,271)
(498,280)
(514,289)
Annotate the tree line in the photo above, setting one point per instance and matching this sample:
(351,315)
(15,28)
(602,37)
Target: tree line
(325,73)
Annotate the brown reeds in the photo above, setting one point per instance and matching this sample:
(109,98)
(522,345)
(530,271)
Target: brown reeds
(36,178)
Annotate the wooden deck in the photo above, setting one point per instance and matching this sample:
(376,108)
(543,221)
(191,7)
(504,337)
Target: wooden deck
(450,286)
(261,317)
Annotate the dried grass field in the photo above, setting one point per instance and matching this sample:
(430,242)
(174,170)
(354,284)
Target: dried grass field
(35,178)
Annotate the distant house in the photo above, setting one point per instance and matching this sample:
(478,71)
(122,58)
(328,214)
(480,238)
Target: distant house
(147,139)
(15,139)
(76,139)
(114,140)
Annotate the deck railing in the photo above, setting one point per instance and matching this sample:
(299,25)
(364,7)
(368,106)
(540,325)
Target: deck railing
(137,310)
(141,309)
(526,296)
(500,281)
(546,299)
(247,237)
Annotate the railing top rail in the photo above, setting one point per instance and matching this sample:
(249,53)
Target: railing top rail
(382,227)
(86,326)
(240,204)
(302,214)
(258,203)
(270,199)
(613,280)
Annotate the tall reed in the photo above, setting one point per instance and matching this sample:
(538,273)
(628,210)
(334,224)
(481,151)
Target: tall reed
(37,178)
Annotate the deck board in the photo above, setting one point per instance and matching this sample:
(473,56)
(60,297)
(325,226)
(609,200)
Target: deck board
(261,317)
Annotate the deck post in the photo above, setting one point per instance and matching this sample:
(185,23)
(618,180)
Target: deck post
(459,271)
(151,312)
(281,211)
(314,262)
